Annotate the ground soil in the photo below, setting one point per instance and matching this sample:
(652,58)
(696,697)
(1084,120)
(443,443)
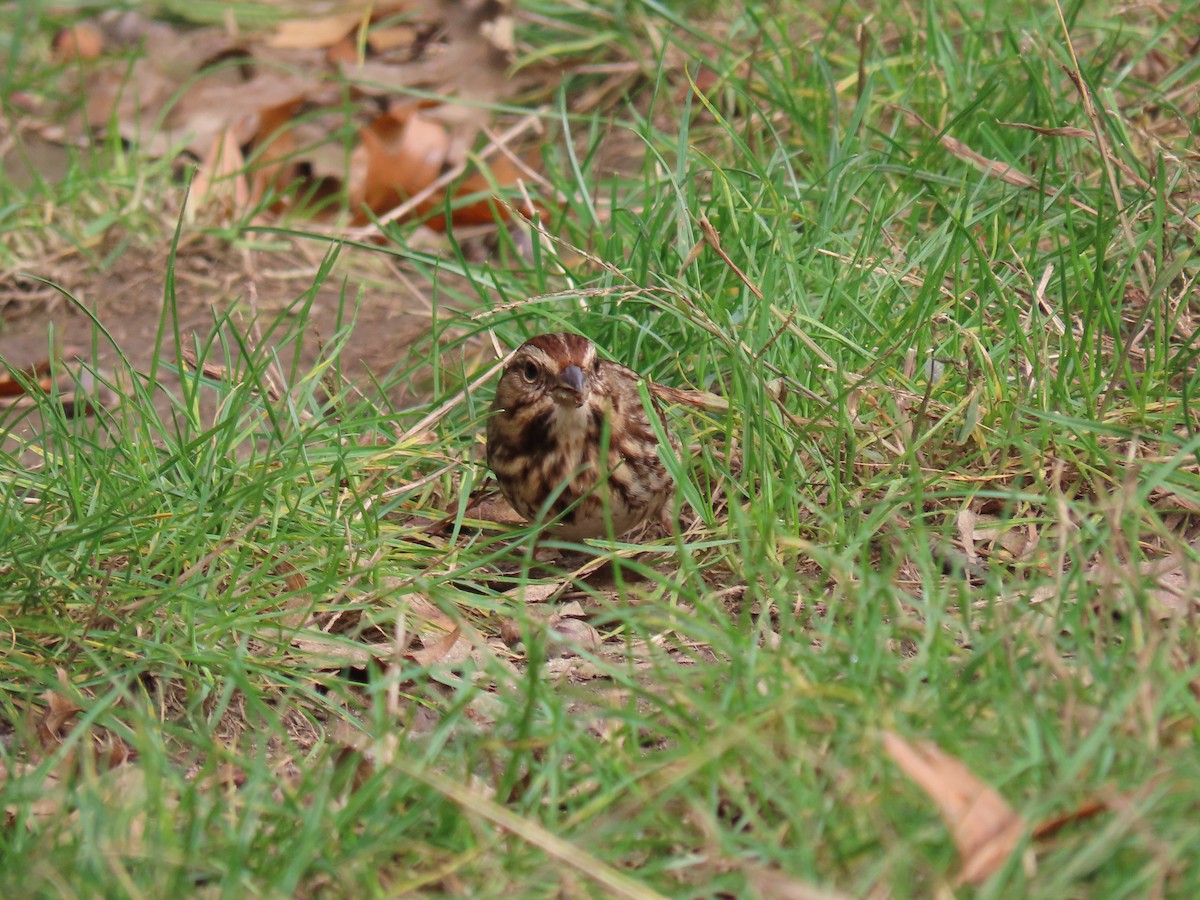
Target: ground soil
(128,298)
(39,321)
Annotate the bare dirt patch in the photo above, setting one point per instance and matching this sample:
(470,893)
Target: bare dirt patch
(128,299)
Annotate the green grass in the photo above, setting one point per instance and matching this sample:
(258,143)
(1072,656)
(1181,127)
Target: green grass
(158,560)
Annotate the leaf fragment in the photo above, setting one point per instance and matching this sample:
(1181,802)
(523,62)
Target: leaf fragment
(985,829)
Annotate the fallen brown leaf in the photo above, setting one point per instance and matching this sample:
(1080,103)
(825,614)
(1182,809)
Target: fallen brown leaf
(78,390)
(207,92)
(771,884)
(403,152)
(435,652)
(502,173)
(39,373)
(391,37)
(297,603)
(1167,582)
(965,521)
(1049,826)
(990,167)
(83,40)
(220,180)
(275,148)
(525,594)
(49,800)
(568,636)
(315,34)
(1065,131)
(334,652)
(696,399)
(983,826)
(345,52)
(60,710)
(493,508)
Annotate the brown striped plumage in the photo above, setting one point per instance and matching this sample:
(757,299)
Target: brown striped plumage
(547,432)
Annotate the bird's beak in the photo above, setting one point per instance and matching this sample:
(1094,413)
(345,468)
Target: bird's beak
(570,387)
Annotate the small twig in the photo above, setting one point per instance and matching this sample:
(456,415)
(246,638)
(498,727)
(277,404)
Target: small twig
(992,168)
(713,239)
(863,36)
(1039,296)
(529,172)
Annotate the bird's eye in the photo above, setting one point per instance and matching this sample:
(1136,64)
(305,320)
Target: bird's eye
(530,371)
(596,366)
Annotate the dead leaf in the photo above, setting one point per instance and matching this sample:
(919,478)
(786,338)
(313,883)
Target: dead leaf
(225,777)
(771,884)
(436,652)
(1016,540)
(83,40)
(220,180)
(990,167)
(1065,131)
(207,93)
(213,105)
(344,52)
(297,601)
(1049,826)
(275,165)
(1167,582)
(502,173)
(524,594)
(511,632)
(417,608)
(39,373)
(60,710)
(314,34)
(965,520)
(696,399)
(391,37)
(501,33)
(50,795)
(573,610)
(419,617)
(569,635)
(493,508)
(334,652)
(575,669)
(113,752)
(404,153)
(983,826)
(112,104)
(1009,174)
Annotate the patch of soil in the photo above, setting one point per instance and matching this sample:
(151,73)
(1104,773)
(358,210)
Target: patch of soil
(211,277)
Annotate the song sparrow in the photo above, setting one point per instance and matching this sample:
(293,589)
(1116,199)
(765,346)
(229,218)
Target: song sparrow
(559,409)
